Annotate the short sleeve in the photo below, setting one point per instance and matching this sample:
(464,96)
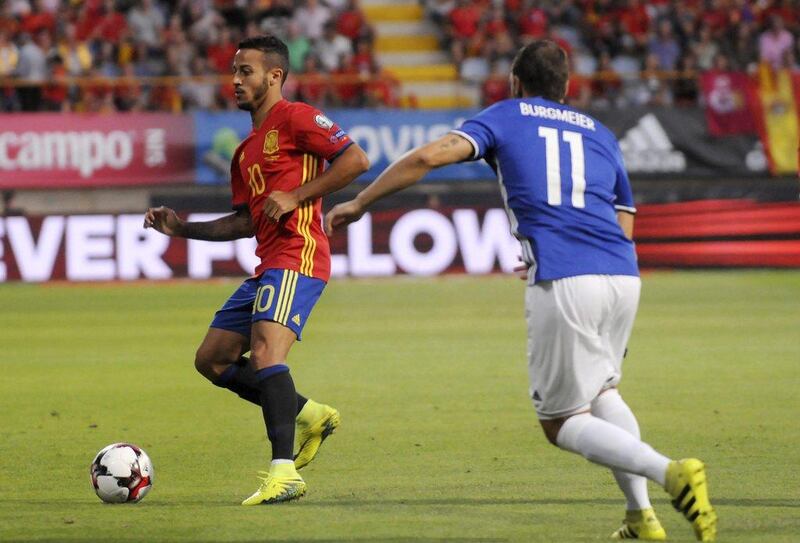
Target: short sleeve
(238,188)
(479,133)
(316,134)
(622,186)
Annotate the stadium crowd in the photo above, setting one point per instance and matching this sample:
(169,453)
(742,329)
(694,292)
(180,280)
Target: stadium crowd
(124,55)
(133,55)
(624,52)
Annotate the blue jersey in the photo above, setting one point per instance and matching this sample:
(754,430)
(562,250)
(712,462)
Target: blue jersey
(562,178)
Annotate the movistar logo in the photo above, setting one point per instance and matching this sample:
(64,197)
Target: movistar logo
(647,148)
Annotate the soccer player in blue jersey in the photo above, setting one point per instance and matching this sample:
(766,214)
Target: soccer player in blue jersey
(570,204)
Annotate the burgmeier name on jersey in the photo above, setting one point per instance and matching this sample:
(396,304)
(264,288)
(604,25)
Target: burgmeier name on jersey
(565,115)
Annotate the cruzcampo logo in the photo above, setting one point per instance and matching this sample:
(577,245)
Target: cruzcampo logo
(271,142)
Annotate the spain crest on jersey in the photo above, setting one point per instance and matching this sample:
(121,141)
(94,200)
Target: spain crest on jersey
(271,142)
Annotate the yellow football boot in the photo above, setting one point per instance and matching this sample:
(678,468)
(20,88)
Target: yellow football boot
(313,425)
(641,524)
(281,483)
(686,483)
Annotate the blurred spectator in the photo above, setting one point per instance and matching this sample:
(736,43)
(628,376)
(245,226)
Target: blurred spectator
(606,84)
(685,88)
(221,51)
(352,23)
(37,20)
(299,47)
(111,25)
(498,42)
(347,85)
(146,22)
(495,87)
(635,21)
(314,87)
(655,47)
(205,23)
(533,22)
(438,10)
(311,19)
(579,90)
(744,52)
(647,89)
(382,90)
(106,63)
(774,42)
(9,55)
(333,49)
(196,93)
(54,94)
(664,46)
(364,58)
(75,54)
(275,17)
(463,29)
(706,48)
(32,67)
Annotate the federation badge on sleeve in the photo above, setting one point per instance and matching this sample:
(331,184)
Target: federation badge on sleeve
(271,142)
(323,122)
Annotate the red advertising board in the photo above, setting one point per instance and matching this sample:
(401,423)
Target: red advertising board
(403,241)
(50,150)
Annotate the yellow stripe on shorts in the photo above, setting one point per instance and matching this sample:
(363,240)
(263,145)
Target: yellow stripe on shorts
(282,314)
(282,295)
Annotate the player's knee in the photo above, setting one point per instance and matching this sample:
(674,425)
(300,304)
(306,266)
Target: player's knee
(203,364)
(551,429)
(209,363)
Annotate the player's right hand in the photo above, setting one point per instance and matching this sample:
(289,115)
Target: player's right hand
(342,215)
(163,219)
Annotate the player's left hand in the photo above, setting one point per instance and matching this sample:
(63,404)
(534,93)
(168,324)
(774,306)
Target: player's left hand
(280,203)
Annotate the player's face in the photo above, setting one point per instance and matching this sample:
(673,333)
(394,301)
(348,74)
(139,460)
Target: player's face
(252,79)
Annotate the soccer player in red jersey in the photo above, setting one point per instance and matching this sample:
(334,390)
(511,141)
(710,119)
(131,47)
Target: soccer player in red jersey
(277,179)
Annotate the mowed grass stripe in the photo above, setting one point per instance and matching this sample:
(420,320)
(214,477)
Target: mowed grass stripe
(438,438)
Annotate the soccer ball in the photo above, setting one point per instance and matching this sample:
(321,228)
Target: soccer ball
(121,473)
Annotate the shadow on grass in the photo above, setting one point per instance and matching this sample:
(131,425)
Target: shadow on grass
(304,540)
(350,501)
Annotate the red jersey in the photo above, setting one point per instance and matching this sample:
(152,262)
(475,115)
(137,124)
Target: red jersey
(287,150)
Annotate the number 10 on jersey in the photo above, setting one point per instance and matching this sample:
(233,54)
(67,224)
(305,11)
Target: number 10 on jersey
(553,164)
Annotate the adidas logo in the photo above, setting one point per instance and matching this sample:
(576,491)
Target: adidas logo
(296,319)
(647,148)
(536,396)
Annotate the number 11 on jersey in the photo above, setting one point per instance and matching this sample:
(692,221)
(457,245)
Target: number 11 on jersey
(553,164)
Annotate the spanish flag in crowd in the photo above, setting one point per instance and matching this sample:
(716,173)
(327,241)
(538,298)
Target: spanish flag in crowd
(778,99)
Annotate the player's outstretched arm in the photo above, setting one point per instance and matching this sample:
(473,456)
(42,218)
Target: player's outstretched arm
(403,173)
(234,226)
(342,171)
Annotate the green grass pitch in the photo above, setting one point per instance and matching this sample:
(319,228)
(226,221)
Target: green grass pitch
(439,441)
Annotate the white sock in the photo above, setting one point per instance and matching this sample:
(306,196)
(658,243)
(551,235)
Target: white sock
(603,443)
(610,407)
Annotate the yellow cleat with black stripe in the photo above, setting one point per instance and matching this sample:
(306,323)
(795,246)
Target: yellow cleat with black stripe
(686,483)
(313,425)
(281,483)
(641,524)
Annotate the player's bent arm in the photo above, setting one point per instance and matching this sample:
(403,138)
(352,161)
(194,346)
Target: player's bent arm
(343,170)
(414,165)
(409,169)
(625,220)
(234,226)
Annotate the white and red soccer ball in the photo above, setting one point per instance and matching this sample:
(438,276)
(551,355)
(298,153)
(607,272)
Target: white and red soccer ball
(121,473)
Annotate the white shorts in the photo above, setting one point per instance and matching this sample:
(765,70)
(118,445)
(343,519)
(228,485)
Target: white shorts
(578,329)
